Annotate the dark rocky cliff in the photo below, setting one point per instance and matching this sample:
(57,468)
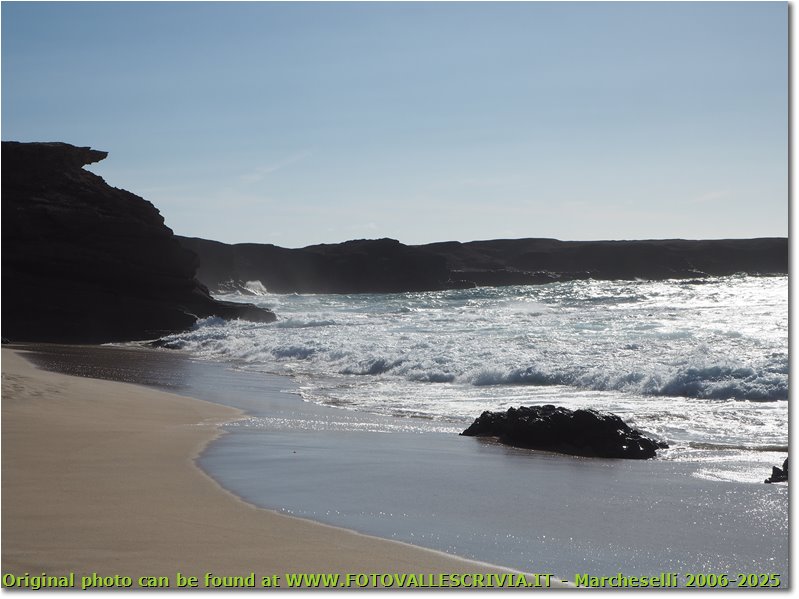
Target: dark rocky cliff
(363,266)
(86,262)
(517,259)
(386,265)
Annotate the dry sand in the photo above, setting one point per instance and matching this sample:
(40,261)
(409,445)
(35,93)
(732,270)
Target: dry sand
(99,476)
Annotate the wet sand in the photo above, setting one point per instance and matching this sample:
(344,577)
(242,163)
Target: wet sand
(100,476)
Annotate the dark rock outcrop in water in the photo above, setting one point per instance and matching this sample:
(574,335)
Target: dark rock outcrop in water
(386,265)
(578,432)
(779,475)
(86,262)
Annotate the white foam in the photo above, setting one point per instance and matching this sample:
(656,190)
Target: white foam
(692,363)
(255,287)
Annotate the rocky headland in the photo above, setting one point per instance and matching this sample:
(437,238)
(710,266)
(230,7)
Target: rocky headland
(362,266)
(388,266)
(84,262)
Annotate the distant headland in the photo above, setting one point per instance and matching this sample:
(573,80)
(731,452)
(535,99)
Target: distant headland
(388,266)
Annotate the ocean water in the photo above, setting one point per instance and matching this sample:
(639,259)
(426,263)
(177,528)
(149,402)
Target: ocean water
(702,364)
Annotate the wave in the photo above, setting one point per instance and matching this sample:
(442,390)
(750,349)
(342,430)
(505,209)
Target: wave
(294,351)
(372,367)
(292,323)
(656,339)
(737,446)
(255,288)
(432,377)
(720,382)
(715,382)
(528,376)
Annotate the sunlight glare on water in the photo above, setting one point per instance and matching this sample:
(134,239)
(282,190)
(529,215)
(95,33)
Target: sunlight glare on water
(702,363)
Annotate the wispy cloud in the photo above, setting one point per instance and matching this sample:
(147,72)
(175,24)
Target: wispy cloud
(371,226)
(259,173)
(711,196)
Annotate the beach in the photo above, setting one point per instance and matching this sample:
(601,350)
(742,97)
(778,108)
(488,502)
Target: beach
(100,477)
(202,469)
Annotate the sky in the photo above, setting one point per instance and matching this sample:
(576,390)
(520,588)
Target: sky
(304,123)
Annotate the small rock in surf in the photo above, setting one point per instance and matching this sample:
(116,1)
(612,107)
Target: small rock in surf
(779,475)
(575,432)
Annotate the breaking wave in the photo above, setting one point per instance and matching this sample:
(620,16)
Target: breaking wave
(644,339)
(715,382)
(705,367)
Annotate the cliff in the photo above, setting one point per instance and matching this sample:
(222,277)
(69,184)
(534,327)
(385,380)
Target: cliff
(519,261)
(363,266)
(86,262)
(386,265)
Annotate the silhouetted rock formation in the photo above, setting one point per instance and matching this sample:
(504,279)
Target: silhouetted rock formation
(521,260)
(364,266)
(386,265)
(86,262)
(779,475)
(578,432)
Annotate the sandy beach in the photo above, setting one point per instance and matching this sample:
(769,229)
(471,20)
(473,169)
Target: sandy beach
(100,477)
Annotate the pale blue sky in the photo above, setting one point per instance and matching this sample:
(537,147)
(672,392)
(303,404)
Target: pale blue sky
(295,123)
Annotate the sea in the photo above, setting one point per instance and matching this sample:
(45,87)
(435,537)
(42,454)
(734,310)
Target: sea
(382,383)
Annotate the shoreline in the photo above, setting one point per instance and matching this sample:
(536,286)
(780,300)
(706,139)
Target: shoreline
(420,484)
(106,480)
